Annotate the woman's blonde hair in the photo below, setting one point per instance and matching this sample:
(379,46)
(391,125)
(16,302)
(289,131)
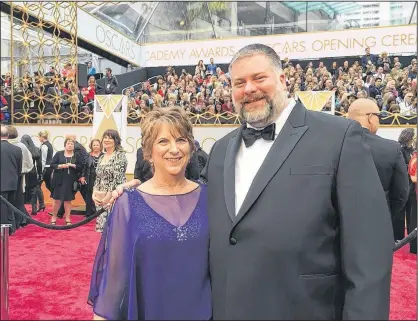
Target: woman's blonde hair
(175,117)
(44,134)
(158,100)
(172,97)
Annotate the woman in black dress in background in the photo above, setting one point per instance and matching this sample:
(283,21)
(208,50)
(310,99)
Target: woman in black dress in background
(96,150)
(66,166)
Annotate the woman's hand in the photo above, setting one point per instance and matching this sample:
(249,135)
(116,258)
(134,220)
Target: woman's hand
(97,201)
(107,198)
(63,166)
(98,197)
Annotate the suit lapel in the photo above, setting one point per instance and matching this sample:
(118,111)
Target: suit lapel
(285,142)
(229,172)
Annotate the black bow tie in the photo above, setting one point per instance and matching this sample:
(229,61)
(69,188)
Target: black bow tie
(250,135)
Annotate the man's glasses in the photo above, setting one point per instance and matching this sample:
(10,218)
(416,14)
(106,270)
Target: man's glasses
(379,115)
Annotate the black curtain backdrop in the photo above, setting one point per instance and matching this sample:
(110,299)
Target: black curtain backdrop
(126,80)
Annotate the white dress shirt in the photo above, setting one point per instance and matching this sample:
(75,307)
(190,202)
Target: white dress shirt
(27,160)
(44,152)
(250,159)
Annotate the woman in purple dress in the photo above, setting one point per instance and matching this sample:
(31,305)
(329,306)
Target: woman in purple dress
(152,260)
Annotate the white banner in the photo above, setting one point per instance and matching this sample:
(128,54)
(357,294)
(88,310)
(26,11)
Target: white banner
(393,40)
(110,112)
(99,34)
(206,135)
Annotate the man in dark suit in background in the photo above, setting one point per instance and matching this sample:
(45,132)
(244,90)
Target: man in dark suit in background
(388,159)
(111,83)
(299,223)
(57,101)
(202,156)
(368,58)
(11,169)
(143,171)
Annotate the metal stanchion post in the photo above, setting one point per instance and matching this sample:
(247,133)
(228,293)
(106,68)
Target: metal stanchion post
(4,275)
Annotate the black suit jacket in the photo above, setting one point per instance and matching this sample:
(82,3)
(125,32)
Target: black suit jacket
(111,85)
(392,172)
(365,59)
(313,238)
(82,156)
(142,170)
(407,154)
(10,166)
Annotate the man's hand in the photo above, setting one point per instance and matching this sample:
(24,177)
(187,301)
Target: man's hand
(119,191)
(115,195)
(82,180)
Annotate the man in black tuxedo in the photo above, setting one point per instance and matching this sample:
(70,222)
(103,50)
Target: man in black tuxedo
(388,159)
(299,223)
(11,169)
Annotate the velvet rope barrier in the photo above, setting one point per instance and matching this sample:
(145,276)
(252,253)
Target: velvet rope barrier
(49,226)
(408,239)
(398,245)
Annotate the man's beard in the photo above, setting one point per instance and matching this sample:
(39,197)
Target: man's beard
(264,116)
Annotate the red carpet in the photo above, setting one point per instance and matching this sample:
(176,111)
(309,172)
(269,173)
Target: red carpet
(50,274)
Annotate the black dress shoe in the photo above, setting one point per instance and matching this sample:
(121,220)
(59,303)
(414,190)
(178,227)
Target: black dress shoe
(42,208)
(34,213)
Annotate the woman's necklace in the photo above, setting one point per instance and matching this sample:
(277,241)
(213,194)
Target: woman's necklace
(68,160)
(162,188)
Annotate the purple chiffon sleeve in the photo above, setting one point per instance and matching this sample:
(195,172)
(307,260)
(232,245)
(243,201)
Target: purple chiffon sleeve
(110,278)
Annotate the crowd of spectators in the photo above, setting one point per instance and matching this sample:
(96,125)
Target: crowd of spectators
(208,90)
(206,93)
(51,97)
